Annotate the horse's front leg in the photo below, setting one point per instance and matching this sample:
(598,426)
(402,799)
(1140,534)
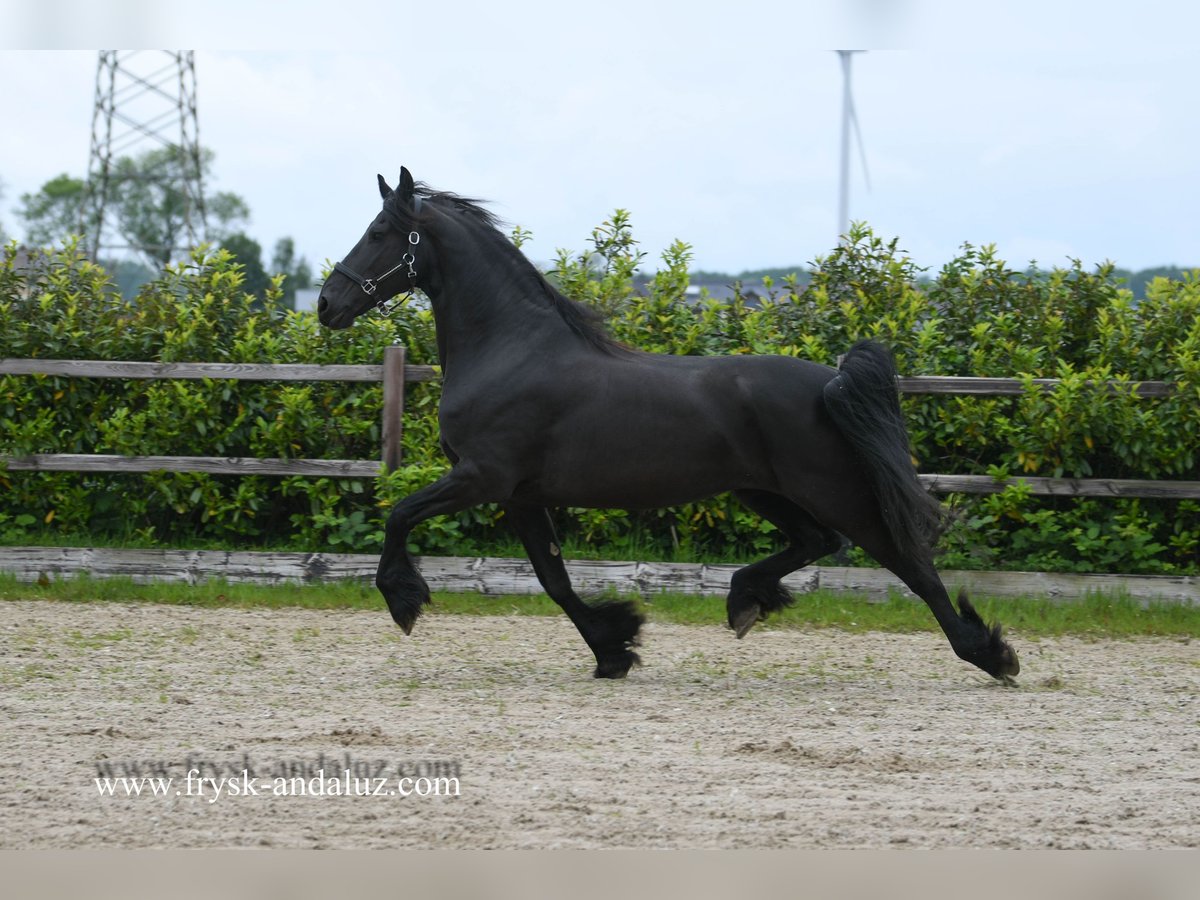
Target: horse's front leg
(610,628)
(397,578)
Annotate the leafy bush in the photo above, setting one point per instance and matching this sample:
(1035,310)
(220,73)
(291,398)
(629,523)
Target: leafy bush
(976,316)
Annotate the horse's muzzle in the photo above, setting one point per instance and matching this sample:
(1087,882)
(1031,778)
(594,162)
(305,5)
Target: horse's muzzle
(330,318)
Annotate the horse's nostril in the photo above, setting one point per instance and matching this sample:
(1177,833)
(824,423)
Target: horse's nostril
(322,304)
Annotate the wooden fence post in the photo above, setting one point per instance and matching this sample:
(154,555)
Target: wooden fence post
(393,406)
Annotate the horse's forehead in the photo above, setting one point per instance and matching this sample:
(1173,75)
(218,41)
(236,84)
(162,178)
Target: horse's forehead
(392,210)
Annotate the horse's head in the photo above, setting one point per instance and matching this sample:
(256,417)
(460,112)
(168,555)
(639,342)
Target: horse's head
(386,261)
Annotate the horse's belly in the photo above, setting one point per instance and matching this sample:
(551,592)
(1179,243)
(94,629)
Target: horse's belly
(633,482)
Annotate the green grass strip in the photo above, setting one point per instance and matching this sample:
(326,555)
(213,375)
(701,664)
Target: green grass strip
(1095,616)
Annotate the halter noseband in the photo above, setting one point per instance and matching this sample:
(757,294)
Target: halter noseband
(371,285)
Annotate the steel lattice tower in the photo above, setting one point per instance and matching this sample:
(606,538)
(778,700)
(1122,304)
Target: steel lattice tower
(145,99)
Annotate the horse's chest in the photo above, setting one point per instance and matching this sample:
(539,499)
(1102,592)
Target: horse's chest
(463,415)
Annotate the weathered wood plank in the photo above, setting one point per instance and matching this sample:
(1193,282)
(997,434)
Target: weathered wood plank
(908,384)
(998,387)
(392,426)
(421,373)
(213,465)
(350,468)
(82,368)
(188,566)
(1052,585)
(1065,487)
(1055,585)
(515,576)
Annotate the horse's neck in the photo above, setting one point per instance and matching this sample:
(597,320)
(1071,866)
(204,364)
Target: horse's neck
(496,307)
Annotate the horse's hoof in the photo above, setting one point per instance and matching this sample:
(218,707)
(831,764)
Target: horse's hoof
(405,617)
(616,666)
(612,674)
(746,618)
(1012,664)
(1006,667)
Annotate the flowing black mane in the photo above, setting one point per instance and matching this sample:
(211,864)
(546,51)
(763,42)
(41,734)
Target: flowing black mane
(583,321)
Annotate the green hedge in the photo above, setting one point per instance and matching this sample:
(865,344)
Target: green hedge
(976,316)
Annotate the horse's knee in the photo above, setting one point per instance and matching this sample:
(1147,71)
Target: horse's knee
(397,525)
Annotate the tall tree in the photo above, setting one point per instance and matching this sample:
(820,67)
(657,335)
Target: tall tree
(152,207)
(297,273)
(147,201)
(53,212)
(248,252)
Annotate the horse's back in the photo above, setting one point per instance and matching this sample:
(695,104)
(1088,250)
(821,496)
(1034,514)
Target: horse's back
(716,393)
(745,372)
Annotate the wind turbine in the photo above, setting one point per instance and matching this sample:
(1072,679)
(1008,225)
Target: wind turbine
(849,117)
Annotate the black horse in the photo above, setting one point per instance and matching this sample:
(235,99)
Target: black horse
(541,408)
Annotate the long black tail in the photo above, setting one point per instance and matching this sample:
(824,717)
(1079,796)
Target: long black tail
(864,403)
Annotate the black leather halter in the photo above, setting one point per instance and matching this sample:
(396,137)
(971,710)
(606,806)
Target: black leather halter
(369,284)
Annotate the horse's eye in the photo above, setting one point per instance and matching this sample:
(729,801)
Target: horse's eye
(376,234)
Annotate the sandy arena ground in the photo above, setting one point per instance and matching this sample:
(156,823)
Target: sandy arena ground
(786,739)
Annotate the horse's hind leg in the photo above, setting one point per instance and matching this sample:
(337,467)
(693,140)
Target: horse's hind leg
(970,637)
(755,591)
(610,628)
(856,514)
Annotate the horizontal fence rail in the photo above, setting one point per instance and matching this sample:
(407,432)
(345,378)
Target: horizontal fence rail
(89,368)
(82,368)
(395,373)
(1065,487)
(213,465)
(1002,387)
(353,468)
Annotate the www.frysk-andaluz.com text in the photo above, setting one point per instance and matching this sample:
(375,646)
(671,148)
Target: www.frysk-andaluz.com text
(324,776)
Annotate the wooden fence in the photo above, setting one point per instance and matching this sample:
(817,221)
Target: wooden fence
(499,576)
(394,373)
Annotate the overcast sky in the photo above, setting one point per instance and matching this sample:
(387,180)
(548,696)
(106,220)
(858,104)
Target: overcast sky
(1053,130)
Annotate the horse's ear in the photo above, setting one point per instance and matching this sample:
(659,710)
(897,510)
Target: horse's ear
(384,190)
(406,186)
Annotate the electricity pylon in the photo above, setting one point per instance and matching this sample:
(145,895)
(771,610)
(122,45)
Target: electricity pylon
(144,99)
